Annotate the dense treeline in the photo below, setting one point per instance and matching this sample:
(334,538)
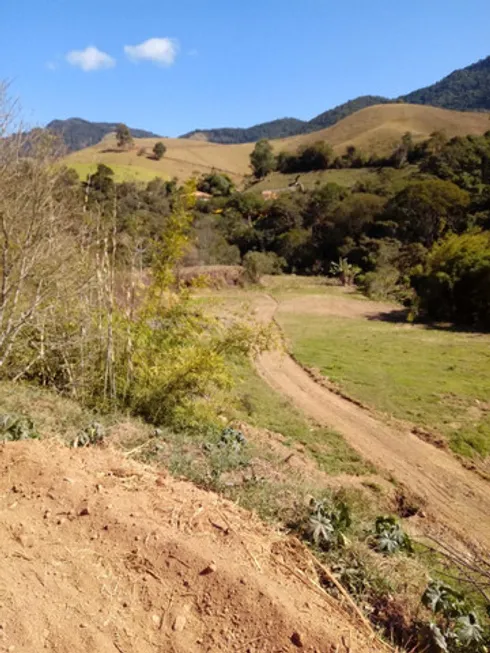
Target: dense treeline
(420,237)
(467,89)
(464,160)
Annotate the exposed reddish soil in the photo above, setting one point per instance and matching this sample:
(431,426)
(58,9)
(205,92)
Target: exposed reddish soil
(105,555)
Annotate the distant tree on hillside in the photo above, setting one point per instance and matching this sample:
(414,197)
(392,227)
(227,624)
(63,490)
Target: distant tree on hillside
(123,136)
(159,150)
(219,185)
(401,154)
(262,159)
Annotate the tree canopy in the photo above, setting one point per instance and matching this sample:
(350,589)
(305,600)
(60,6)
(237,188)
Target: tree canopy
(262,159)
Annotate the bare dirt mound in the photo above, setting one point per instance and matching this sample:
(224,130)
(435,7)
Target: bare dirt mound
(100,554)
(456,499)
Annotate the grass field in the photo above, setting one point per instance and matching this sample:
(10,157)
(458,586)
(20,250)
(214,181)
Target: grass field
(435,378)
(348,177)
(121,172)
(183,158)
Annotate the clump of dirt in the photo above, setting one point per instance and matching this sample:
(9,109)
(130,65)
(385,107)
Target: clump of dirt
(104,554)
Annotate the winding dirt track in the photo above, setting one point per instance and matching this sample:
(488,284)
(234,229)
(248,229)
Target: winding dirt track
(456,498)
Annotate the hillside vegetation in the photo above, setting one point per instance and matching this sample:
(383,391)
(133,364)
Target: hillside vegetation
(374,129)
(95,307)
(378,128)
(467,89)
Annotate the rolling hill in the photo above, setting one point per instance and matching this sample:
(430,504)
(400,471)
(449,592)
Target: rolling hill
(183,159)
(285,127)
(379,128)
(375,128)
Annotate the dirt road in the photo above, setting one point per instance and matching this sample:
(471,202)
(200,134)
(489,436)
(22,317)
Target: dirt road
(455,498)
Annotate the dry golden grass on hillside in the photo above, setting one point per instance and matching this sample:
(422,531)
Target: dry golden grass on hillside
(378,128)
(182,159)
(375,129)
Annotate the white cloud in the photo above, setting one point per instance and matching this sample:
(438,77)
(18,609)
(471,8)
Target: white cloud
(160,51)
(90,59)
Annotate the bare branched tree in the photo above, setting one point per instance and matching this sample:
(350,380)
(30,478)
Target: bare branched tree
(40,230)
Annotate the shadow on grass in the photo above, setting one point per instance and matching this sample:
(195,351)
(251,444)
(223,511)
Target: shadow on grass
(397,316)
(401,316)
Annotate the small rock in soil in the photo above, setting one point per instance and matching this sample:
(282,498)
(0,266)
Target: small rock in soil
(297,640)
(179,623)
(210,569)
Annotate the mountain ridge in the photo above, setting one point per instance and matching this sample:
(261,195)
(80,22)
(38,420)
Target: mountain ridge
(78,133)
(465,89)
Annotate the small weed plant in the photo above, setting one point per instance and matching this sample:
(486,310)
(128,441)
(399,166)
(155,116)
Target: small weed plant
(14,428)
(327,523)
(90,436)
(389,537)
(456,628)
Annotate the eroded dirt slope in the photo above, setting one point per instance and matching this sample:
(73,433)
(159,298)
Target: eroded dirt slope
(100,554)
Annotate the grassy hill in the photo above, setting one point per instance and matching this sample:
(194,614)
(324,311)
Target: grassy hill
(374,129)
(379,128)
(183,159)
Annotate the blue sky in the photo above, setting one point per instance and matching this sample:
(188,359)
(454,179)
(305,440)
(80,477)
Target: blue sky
(230,63)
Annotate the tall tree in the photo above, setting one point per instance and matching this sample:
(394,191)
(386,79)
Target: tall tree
(262,159)
(123,136)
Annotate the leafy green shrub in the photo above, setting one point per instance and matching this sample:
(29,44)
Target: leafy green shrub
(14,428)
(389,536)
(259,263)
(380,284)
(457,628)
(232,438)
(159,150)
(217,184)
(327,523)
(455,284)
(91,435)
